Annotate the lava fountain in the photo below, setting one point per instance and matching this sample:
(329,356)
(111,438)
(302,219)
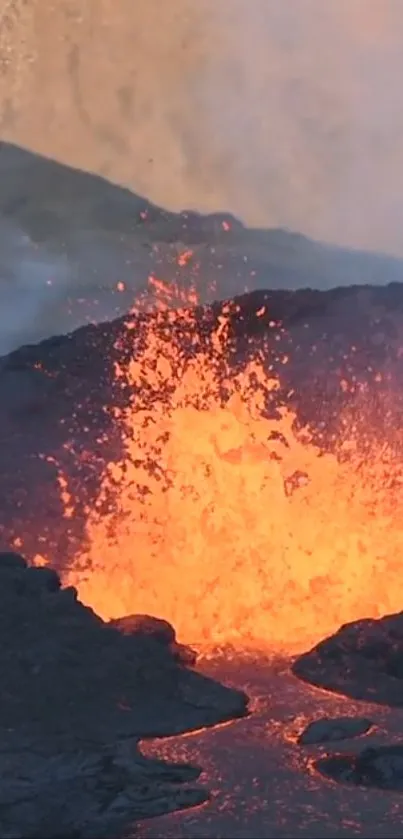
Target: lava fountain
(222,517)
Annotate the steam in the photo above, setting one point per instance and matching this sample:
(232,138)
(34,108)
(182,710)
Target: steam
(302,117)
(285,113)
(33,283)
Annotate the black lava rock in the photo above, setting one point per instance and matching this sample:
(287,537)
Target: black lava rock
(10,560)
(330,729)
(380,766)
(363,660)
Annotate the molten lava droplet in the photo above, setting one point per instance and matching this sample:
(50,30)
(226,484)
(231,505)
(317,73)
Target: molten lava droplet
(229,524)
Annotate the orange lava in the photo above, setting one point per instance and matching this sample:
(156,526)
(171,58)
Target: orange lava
(208,528)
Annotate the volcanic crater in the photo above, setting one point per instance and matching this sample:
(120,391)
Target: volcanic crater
(232,469)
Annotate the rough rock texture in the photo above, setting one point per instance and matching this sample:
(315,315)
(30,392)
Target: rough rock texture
(328,729)
(364,660)
(160,630)
(375,766)
(76,696)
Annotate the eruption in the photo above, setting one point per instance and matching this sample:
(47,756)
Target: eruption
(223,515)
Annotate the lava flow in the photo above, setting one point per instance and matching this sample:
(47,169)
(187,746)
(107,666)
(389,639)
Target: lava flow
(224,519)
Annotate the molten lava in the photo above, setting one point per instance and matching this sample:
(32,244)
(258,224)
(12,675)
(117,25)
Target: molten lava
(225,520)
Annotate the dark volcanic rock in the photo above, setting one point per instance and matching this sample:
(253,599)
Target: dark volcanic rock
(160,630)
(76,696)
(68,236)
(377,766)
(157,628)
(364,660)
(330,729)
(11,561)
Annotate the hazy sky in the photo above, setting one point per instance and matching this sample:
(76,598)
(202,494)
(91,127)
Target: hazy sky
(285,112)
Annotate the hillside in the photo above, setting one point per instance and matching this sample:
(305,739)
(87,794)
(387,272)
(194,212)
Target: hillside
(76,248)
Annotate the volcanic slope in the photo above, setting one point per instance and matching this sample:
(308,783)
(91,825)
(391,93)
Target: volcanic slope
(76,248)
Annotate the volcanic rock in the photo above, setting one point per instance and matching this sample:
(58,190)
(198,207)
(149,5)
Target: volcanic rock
(161,630)
(330,729)
(157,628)
(376,766)
(76,696)
(363,660)
(9,560)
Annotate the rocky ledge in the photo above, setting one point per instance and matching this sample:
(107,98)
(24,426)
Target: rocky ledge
(362,660)
(77,695)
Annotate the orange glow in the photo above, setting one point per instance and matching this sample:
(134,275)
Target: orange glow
(184,258)
(228,523)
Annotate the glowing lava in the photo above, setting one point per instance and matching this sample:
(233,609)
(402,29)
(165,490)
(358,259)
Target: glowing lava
(224,520)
